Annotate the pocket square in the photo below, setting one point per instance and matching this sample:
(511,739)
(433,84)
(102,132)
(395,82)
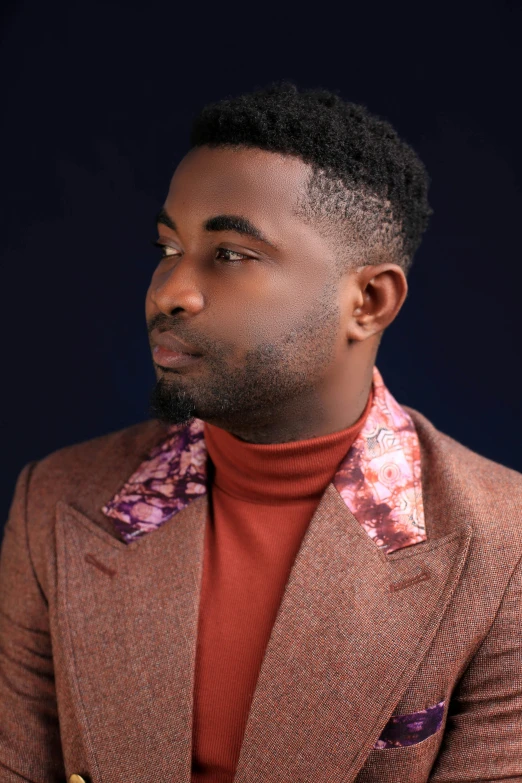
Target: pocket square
(411,728)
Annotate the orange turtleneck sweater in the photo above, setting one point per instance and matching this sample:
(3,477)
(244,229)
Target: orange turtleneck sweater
(262,499)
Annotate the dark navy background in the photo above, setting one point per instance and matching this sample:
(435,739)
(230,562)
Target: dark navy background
(98,99)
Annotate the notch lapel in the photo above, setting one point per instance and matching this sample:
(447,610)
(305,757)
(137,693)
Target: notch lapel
(128,615)
(352,628)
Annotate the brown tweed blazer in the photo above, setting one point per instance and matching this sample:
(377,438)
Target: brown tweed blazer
(97,637)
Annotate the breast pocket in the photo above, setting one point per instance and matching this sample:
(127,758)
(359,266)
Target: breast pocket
(404,730)
(406,749)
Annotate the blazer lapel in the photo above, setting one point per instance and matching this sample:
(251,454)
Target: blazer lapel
(363,602)
(353,626)
(127,615)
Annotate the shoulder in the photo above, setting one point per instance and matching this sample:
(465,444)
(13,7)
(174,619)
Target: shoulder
(101,453)
(86,474)
(83,476)
(461,486)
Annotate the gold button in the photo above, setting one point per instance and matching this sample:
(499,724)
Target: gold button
(76,779)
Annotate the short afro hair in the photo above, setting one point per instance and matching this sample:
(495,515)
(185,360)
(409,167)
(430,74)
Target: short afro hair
(367,187)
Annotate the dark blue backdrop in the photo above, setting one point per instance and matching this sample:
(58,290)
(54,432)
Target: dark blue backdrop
(98,99)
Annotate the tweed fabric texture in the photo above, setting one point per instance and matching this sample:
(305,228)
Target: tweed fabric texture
(97,635)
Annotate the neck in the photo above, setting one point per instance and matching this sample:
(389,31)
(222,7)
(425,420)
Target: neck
(277,473)
(321,412)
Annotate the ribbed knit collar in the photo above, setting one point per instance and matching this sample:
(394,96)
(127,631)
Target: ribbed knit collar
(278,472)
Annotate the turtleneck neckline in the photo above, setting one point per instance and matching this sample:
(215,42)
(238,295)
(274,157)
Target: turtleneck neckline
(279,472)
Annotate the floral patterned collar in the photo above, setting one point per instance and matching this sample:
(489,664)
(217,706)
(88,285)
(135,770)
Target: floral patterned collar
(379,479)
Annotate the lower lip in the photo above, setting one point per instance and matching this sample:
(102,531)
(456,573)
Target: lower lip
(166,358)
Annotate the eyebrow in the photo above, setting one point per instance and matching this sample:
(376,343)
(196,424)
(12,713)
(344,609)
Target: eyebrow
(235,223)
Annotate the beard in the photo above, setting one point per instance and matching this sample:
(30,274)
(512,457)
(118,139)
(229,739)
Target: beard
(271,375)
(171,404)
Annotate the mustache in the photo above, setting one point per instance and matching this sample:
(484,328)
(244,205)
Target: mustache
(161,322)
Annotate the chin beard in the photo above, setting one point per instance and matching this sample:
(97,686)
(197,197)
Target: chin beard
(170,404)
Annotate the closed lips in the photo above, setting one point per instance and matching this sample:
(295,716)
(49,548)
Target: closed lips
(171,343)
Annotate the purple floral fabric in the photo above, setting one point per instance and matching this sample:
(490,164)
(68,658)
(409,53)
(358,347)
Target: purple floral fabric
(379,479)
(403,730)
(173,474)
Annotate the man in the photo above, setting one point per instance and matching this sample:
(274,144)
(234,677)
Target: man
(283,575)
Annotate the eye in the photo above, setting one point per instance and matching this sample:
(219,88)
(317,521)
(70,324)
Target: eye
(229,253)
(165,249)
(166,254)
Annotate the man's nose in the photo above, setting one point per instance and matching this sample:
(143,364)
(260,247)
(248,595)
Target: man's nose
(177,288)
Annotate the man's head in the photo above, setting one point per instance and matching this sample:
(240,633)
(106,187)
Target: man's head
(288,232)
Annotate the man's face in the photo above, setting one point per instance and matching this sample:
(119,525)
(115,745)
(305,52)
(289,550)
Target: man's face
(262,311)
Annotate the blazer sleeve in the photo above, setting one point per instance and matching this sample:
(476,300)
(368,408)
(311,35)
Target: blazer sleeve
(30,747)
(483,735)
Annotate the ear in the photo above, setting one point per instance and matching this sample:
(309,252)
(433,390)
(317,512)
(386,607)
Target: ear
(376,294)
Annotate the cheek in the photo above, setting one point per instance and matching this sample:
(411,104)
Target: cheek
(247,323)
(236,321)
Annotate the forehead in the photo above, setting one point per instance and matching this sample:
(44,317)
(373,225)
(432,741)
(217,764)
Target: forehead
(252,182)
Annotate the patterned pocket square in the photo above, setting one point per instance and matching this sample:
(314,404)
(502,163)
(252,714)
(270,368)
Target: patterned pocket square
(409,729)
